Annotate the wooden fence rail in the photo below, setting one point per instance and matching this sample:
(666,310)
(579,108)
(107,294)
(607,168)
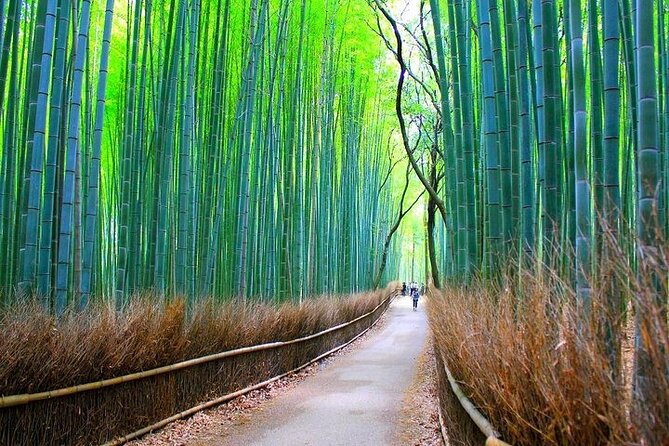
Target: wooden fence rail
(473,427)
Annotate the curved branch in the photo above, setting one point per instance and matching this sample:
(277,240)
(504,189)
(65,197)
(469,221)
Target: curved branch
(400,117)
(402,213)
(392,166)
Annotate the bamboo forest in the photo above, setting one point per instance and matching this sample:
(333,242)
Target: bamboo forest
(201,199)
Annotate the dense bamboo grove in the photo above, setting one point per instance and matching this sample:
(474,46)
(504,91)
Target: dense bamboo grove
(196,147)
(247,147)
(550,122)
(554,125)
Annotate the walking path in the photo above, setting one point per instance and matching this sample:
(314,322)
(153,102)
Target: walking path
(356,400)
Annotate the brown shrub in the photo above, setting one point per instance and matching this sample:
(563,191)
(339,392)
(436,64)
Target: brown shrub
(542,369)
(38,353)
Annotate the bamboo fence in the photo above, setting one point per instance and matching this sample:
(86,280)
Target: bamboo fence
(106,411)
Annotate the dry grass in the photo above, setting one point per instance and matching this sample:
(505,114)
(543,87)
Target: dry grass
(539,368)
(38,354)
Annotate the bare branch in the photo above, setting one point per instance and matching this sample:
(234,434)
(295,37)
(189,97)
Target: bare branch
(400,116)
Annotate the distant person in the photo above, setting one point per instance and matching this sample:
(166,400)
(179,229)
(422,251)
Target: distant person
(414,296)
(404,288)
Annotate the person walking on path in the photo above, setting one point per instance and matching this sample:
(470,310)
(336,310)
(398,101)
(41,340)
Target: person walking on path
(414,296)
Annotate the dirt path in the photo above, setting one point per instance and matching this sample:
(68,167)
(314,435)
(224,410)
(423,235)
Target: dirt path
(361,398)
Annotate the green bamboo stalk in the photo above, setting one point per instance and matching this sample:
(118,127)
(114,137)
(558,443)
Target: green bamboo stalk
(596,125)
(631,93)
(663,94)
(539,112)
(9,35)
(504,142)
(513,99)
(182,277)
(93,196)
(469,141)
(570,220)
(38,148)
(528,193)
(549,144)
(10,155)
(494,219)
(245,151)
(647,153)
(56,116)
(583,203)
(35,96)
(612,113)
(300,236)
(450,142)
(130,181)
(67,199)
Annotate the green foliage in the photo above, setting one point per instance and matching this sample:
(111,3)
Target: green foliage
(229,148)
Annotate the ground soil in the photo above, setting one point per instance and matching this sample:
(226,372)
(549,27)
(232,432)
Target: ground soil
(419,425)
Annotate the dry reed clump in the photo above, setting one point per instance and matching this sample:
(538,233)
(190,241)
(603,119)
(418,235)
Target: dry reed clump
(544,372)
(39,353)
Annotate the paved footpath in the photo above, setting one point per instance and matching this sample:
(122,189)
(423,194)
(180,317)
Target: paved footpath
(355,400)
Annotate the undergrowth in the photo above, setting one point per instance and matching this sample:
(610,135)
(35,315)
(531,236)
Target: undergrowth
(39,353)
(544,369)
